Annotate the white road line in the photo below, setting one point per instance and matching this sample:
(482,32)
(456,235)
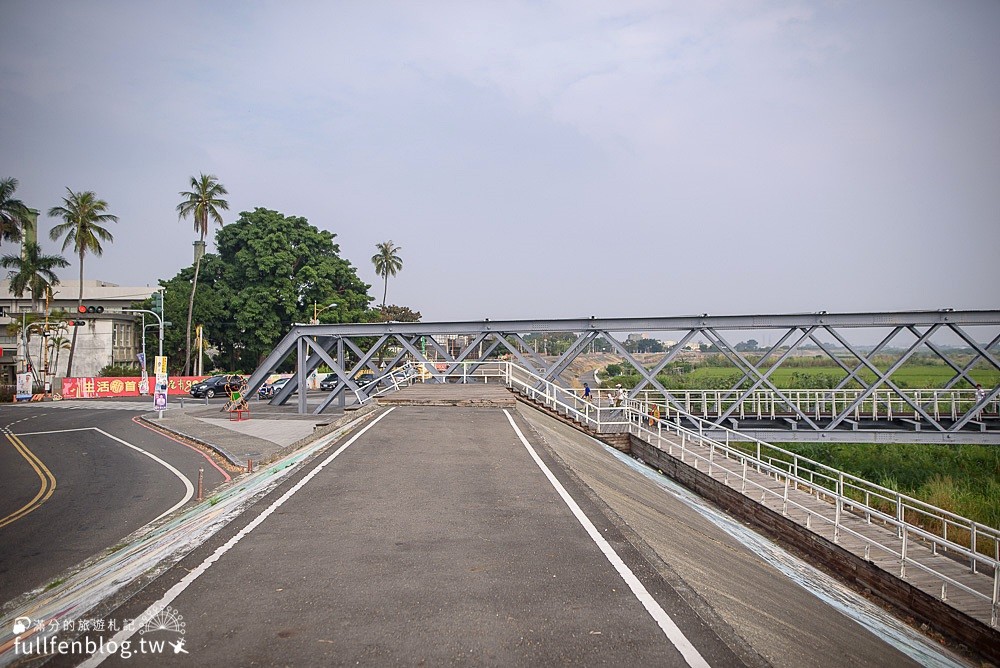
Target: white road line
(185,582)
(188,487)
(674,634)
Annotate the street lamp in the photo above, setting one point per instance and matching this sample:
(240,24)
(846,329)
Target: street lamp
(317,311)
(153,313)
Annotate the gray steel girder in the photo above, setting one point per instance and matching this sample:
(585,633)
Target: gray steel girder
(312,345)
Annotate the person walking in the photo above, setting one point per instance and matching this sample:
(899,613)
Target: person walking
(586,392)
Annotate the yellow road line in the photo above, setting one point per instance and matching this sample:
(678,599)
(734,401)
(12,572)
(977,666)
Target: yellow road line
(48,481)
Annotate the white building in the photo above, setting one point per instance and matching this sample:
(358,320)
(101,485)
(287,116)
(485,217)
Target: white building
(111,337)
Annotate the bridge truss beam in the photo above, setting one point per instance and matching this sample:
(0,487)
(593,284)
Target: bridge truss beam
(448,350)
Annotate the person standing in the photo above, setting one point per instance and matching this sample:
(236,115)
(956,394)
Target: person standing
(980,399)
(586,392)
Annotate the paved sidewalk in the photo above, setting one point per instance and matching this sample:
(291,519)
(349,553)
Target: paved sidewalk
(269,432)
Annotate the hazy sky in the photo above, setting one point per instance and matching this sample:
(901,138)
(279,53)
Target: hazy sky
(537,159)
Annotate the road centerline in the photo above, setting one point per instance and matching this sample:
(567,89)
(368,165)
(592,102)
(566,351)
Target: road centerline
(188,486)
(48,481)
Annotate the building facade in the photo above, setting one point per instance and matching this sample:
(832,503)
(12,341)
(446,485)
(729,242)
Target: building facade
(108,337)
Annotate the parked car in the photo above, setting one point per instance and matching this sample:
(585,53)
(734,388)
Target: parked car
(224,385)
(268,390)
(329,383)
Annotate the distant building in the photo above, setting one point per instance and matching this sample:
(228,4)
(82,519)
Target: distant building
(111,337)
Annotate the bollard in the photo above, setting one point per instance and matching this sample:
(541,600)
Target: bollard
(249,466)
(201,477)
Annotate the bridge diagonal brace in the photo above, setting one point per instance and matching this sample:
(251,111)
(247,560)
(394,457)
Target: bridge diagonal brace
(465,352)
(968,367)
(667,359)
(764,379)
(502,337)
(750,370)
(885,379)
(983,353)
(553,372)
(839,362)
(862,359)
(617,345)
(422,360)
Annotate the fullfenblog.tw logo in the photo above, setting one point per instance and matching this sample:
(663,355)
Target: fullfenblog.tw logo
(168,620)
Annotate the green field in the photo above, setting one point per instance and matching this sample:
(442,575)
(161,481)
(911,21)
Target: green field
(922,376)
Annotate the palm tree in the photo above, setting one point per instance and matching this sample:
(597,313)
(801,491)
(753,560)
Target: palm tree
(202,202)
(82,214)
(14,215)
(387,263)
(33,272)
(57,343)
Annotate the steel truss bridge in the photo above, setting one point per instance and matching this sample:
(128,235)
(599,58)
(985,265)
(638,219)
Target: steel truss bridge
(869,403)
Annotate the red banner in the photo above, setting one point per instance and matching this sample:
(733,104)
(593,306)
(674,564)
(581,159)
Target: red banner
(128,386)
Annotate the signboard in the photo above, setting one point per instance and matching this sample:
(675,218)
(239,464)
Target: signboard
(126,386)
(144,383)
(24,381)
(162,383)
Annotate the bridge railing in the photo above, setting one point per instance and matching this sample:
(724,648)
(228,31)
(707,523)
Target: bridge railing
(822,404)
(909,518)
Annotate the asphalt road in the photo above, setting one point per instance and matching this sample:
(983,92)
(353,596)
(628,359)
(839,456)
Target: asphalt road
(438,536)
(434,538)
(101,489)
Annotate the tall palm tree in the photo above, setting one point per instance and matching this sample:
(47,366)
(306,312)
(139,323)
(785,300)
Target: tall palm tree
(14,215)
(57,343)
(33,272)
(202,202)
(83,215)
(387,263)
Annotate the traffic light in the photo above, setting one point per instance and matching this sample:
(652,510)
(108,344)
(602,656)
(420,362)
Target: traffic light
(158,303)
(76,323)
(83,308)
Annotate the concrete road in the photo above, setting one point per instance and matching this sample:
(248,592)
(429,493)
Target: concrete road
(433,538)
(72,486)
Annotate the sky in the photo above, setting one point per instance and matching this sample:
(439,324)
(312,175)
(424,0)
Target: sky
(536,159)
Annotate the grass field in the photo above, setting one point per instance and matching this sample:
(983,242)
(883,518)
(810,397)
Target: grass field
(923,376)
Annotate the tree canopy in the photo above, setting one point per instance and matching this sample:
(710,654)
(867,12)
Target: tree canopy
(269,272)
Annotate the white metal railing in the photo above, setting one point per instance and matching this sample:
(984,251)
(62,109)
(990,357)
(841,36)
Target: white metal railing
(910,518)
(824,404)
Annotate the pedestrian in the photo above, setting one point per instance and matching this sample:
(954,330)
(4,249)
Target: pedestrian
(620,396)
(586,392)
(980,398)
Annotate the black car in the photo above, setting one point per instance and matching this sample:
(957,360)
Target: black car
(224,385)
(329,383)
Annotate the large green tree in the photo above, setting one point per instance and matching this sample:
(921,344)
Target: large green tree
(33,272)
(14,215)
(83,216)
(208,308)
(269,272)
(387,263)
(202,202)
